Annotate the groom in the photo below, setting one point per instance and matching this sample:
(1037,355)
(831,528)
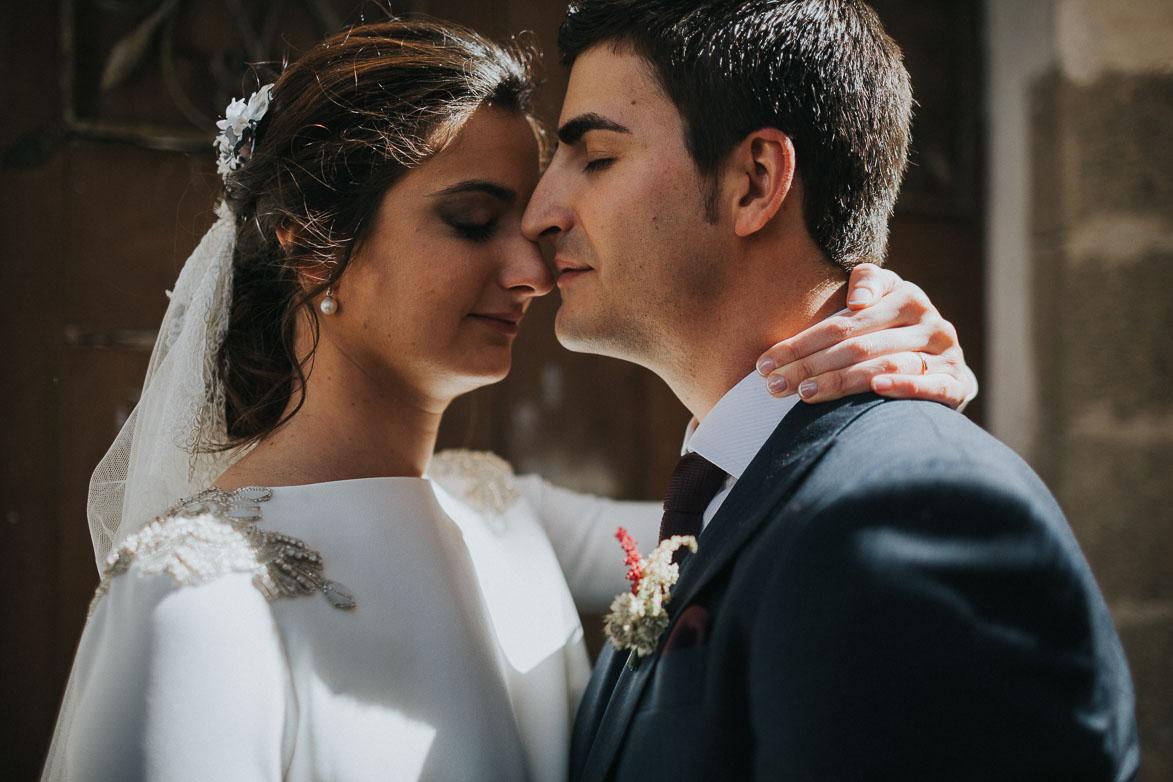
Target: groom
(881,590)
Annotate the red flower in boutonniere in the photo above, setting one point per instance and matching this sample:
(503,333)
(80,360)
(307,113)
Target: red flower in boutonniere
(638,618)
(633,560)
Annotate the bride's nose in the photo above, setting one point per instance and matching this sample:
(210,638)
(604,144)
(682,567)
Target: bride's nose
(524,270)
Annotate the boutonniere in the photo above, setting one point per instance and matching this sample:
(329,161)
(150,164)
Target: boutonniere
(638,618)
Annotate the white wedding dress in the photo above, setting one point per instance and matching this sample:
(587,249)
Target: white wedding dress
(372,629)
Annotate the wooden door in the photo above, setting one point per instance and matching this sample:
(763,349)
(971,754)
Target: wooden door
(108,182)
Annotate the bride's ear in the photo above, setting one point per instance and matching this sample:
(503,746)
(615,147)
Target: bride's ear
(310,273)
(761,172)
(286,237)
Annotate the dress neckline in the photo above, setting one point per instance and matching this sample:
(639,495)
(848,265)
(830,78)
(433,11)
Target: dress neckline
(406,480)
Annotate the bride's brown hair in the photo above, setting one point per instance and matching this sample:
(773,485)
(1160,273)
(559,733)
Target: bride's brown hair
(346,121)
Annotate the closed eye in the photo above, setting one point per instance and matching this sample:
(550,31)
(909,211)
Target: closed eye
(598,165)
(476,232)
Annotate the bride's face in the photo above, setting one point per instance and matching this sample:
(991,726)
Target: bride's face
(434,296)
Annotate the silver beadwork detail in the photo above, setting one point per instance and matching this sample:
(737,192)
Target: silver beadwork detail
(213,534)
(486,478)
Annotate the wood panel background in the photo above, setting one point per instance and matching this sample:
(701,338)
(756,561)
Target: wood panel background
(93,230)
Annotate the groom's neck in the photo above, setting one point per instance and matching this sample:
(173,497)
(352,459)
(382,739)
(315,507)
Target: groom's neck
(766,305)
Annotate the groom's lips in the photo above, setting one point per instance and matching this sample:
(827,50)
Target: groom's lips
(569,271)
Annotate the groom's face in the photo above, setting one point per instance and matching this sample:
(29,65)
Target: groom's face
(624,207)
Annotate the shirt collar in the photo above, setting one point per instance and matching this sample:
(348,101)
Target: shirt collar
(738,425)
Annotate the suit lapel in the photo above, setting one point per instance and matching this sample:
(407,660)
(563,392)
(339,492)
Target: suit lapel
(771,478)
(599,692)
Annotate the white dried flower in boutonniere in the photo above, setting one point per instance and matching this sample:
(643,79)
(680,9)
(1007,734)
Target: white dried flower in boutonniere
(638,618)
(238,130)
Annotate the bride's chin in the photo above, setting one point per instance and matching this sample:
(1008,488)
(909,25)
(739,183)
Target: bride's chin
(472,378)
(495,376)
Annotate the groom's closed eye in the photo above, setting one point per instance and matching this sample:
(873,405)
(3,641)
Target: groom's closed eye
(598,164)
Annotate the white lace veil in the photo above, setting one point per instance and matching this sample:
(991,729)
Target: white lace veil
(159,455)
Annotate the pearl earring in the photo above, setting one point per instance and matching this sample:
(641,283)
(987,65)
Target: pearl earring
(329,304)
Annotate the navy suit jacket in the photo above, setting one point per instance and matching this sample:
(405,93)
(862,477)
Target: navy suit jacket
(887,593)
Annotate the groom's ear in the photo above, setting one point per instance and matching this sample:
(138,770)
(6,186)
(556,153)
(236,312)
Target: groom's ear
(760,171)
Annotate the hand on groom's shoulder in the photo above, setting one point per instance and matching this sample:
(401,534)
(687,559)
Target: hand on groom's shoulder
(928,614)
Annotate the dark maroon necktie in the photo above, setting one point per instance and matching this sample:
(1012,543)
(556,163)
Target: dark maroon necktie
(695,482)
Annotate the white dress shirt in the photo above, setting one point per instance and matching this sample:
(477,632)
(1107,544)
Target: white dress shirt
(735,430)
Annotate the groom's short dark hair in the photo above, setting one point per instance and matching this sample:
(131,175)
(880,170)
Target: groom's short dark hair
(822,71)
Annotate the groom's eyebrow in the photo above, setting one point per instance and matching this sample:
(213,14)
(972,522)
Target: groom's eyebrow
(494,189)
(572,130)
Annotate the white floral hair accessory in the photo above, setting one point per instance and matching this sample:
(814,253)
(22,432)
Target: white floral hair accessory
(238,130)
(638,618)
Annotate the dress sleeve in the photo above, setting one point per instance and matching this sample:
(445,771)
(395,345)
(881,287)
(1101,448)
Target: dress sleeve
(581,528)
(177,683)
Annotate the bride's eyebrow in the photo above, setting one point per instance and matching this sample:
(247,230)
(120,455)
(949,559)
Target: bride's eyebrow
(494,189)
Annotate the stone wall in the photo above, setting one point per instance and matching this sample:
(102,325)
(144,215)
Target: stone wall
(1099,271)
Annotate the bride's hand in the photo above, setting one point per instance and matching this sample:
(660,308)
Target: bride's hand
(890,340)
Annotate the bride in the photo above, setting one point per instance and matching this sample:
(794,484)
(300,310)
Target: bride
(293,587)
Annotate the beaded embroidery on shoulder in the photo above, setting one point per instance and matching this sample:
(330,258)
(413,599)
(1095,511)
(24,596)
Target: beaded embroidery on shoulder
(485,479)
(214,534)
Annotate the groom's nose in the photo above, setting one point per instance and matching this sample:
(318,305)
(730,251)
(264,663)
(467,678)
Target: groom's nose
(548,212)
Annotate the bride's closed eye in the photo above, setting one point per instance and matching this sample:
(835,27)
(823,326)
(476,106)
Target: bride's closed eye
(476,223)
(473,231)
(472,209)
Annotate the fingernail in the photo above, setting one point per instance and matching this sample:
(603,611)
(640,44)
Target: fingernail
(777,384)
(766,366)
(859,297)
(808,389)
(882,384)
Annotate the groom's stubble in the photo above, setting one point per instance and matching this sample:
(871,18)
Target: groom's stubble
(648,320)
(659,264)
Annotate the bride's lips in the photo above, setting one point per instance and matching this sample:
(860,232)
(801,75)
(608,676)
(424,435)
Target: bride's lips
(502,322)
(569,271)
